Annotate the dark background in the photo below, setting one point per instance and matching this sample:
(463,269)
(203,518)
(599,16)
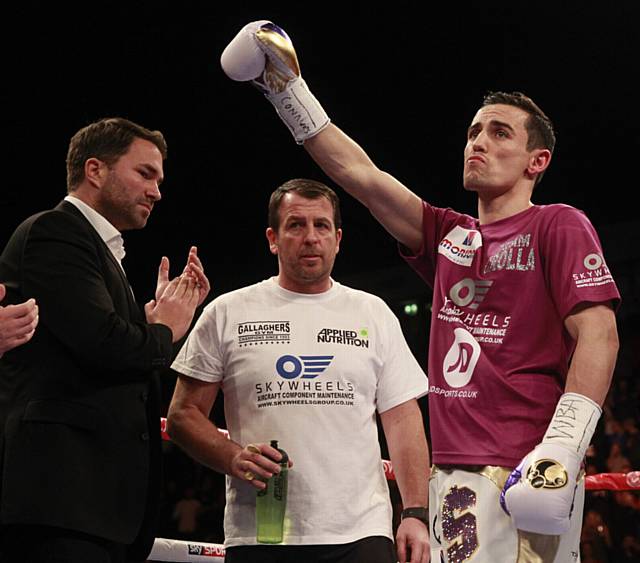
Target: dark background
(402,80)
(404,85)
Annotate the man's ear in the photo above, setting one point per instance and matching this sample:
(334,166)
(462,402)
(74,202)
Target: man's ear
(273,242)
(538,162)
(95,172)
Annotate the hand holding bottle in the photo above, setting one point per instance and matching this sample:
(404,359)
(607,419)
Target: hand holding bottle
(271,502)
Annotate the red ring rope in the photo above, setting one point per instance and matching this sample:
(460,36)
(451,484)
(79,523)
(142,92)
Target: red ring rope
(601,481)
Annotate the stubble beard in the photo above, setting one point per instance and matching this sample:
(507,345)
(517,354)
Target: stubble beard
(315,274)
(120,211)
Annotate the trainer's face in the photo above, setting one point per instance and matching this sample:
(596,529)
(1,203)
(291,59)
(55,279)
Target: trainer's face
(131,187)
(306,243)
(496,158)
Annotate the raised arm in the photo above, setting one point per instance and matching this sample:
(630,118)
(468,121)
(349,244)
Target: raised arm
(395,207)
(263,54)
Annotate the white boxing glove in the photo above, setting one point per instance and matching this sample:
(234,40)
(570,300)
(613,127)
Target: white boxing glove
(539,493)
(263,53)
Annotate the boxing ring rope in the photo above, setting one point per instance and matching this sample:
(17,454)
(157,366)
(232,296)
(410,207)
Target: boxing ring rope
(187,551)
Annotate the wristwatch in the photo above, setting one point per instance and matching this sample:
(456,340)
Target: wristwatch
(419,512)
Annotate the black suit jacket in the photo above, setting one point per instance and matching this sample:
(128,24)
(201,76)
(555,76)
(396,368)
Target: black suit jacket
(79,406)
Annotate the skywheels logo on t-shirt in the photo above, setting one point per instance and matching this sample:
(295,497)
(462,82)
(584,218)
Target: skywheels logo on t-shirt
(309,367)
(593,273)
(305,380)
(460,245)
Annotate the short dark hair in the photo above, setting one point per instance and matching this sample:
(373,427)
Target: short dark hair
(309,189)
(541,134)
(107,139)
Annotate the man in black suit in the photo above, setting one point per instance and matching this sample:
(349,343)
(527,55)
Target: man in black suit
(79,405)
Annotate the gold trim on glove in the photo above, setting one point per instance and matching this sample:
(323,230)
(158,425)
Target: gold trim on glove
(283,52)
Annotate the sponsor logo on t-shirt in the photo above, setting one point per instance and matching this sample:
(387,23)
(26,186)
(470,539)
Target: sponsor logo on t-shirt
(460,245)
(297,384)
(307,367)
(359,338)
(453,393)
(595,273)
(469,293)
(459,306)
(515,255)
(254,333)
(461,359)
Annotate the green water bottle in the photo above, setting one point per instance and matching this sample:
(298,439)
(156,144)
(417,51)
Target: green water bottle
(271,503)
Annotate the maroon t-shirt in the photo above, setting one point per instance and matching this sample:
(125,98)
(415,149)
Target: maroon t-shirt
(499,351)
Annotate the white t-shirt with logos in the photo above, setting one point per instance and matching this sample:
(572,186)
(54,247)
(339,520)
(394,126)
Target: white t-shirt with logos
(310,371)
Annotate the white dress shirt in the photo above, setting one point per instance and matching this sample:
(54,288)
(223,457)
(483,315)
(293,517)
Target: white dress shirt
(108,233)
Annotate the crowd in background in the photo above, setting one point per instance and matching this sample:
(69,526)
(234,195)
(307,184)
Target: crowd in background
(611,528)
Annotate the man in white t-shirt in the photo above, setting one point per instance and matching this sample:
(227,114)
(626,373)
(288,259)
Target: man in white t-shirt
(307,361)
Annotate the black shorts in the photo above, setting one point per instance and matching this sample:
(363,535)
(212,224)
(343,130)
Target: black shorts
(375,549)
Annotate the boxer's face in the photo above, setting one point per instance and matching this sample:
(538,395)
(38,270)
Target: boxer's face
(132,186)
(496,157)
(306,243)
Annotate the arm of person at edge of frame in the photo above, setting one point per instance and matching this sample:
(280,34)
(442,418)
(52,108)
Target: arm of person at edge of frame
(17,322)
(396,208)
(409,452)
(188,425)
(593,327)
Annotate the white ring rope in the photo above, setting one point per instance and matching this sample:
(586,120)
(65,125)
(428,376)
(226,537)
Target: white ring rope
(186,551)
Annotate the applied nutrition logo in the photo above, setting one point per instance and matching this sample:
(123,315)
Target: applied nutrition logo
(358,338)
(460,245)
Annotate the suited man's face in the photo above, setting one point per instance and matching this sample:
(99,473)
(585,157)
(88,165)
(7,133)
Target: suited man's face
(132,187)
